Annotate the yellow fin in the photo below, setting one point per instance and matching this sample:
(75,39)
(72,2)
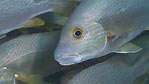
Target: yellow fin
(34,23)
(128,48)
(33,79)
(2,36)
(147,28)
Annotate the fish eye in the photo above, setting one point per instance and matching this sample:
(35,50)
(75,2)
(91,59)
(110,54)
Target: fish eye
(77,33)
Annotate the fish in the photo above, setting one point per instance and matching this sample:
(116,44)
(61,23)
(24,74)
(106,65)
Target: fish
(16,14)
(119,69)
(6,76)
(29,57)
(99,27)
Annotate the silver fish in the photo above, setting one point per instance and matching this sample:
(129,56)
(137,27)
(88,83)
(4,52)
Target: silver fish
(116,70)
(99,27)
(6,76)
(15,13)
(30,56)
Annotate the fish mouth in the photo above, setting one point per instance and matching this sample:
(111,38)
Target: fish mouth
(68,59)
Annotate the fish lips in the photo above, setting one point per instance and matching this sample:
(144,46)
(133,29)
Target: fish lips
(68,60)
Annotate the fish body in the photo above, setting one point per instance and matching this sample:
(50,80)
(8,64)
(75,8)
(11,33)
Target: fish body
(6,76)
(118,69)
(109,73)
(15,13)
(24,55)
(98,27)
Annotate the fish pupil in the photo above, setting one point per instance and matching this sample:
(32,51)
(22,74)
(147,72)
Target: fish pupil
(78,33)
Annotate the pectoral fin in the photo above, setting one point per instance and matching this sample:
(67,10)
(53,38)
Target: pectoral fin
(128,48)
(33,23)
(147,28)
(33,79)
(2,36)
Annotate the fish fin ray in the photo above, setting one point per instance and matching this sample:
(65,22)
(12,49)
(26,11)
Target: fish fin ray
(147,28)
(33,23)
(33,79)
(3,36)
(128,48)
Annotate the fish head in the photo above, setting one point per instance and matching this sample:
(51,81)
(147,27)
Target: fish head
(80,43)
